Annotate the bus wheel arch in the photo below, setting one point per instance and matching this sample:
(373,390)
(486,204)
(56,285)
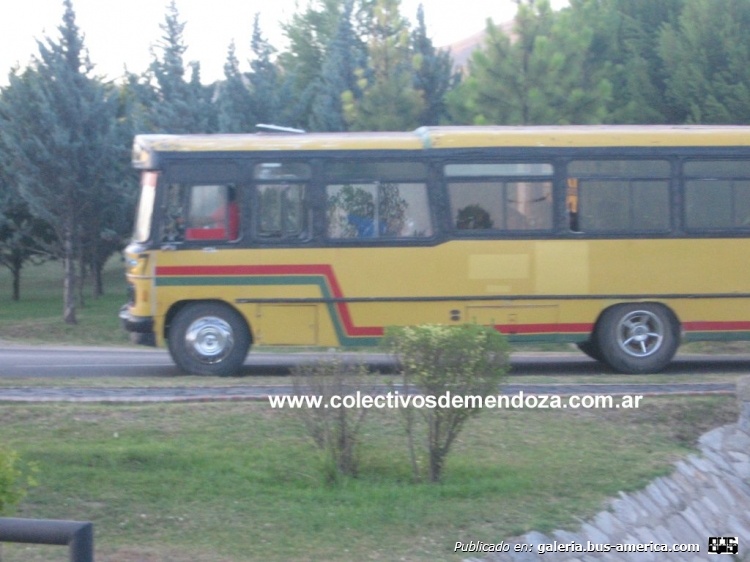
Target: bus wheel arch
(207,337)
(637,338)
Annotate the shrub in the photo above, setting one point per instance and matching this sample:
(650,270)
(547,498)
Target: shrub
(335,431)
(438,361)
(15,478)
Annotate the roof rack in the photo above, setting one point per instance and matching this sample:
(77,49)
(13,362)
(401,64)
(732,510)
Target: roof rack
(263,128)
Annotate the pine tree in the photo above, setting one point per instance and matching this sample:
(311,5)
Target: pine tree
(264,77)
(343,56)
(389,100)
(541,77)
(433,76)
(309,34)
(624,50)
(58,127)
(234,102)
(23,237)
(180,106)
(707,62)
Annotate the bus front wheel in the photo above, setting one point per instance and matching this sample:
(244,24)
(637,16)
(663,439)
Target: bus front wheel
(637,338)
(208,338)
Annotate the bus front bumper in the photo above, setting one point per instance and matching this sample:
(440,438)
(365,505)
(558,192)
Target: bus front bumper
(141,328)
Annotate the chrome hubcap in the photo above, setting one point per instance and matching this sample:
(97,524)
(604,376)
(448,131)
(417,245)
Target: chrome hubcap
(640,333)
(209,339)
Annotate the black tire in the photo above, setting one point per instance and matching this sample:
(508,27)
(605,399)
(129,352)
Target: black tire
(591,348)
(209,338)
(638,338)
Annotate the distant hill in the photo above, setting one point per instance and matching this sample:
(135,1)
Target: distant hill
(461,50)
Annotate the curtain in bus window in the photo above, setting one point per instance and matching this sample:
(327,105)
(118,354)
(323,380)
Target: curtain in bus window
(378,209)
(500,205)
(618,195)
(621,205)
(717,204)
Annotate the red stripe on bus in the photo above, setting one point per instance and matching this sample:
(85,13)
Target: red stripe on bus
(326,271)
(716,326)
(544,328)
(323,270)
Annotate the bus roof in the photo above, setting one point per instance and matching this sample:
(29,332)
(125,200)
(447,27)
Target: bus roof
(147,147)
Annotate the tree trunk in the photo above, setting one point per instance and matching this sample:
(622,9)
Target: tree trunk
(69,284)
(16,284)
(81,280)
(98,280)
(16,270)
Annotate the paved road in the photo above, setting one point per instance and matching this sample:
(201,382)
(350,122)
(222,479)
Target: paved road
(37,362)
(66,362)
(89,362)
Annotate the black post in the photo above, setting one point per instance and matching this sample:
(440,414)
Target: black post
(77,535)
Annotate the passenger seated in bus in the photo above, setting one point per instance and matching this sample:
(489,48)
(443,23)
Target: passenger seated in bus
(365,226)
(220,214)
(221,224)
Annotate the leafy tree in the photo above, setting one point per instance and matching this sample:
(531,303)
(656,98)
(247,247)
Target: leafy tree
(706,58)
(58,128)
(23,237)
(433,74)
(389,100)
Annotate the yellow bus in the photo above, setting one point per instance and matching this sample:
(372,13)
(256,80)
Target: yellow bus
(623,240)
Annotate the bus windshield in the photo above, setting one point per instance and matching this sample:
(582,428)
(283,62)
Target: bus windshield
(142,230)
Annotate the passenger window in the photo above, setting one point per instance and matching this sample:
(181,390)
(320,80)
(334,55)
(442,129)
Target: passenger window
(201,212)
(378,210)
(281,210)
(618,196)
(500,205)
(481,201)
(377,199)
(717,195)
(281,205)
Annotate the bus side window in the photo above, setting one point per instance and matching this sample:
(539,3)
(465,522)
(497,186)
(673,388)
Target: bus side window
(175,214)
(378,210)
(618,195)
(499,205)
(201,212)
(282,210)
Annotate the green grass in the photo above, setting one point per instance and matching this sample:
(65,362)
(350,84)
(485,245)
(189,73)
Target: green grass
(37,317)
(239,482)
(235,482)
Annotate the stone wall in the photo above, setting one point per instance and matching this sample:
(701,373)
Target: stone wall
(707,495)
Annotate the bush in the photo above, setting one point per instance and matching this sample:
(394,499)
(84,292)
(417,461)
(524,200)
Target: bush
(335,431)
(15,478)
(437,361)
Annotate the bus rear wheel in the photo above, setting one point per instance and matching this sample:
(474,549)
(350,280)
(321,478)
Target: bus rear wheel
(637,338)
(591,348)
(209,338)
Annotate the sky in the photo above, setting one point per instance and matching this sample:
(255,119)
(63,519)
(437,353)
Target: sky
(120,33)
